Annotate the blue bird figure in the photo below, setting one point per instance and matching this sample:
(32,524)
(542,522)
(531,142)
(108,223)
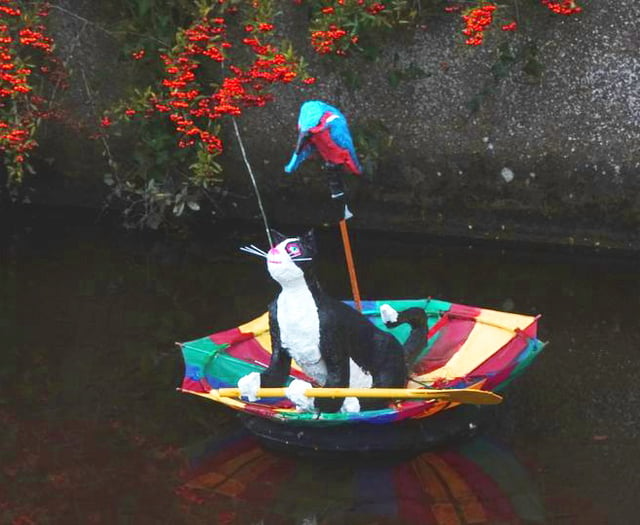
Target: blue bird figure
(323,129)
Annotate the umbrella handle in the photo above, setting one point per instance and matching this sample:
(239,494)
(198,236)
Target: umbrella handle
(355,290)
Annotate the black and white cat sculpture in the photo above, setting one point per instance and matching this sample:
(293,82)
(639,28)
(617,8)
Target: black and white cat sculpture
(332,343)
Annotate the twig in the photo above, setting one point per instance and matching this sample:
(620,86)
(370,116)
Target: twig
(111,161)
(81,18)
(106,31)
(69,57)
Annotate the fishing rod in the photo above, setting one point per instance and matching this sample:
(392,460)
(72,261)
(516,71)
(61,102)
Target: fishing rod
(253,181)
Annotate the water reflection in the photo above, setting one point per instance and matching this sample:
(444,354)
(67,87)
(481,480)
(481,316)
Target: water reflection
(479,482)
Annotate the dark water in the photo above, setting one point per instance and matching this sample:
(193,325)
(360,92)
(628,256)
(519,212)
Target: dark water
(93,430)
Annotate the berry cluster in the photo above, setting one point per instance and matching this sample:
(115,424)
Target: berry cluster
(205,51)
(477,20)
(562,7)
(335,27)
(192,108)
(328,40)
(20,109)
(337,24)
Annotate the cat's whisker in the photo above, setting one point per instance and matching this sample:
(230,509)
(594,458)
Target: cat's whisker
(251,251)
(301,259)
(259,250)
(254,253)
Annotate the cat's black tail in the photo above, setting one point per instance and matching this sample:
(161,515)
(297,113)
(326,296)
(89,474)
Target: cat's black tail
(417,319)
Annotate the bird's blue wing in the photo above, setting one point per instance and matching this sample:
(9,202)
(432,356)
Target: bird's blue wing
(342,137)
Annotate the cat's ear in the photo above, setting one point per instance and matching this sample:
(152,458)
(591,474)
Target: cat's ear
(277,237)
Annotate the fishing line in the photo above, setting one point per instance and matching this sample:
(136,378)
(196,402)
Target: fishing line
(253,180)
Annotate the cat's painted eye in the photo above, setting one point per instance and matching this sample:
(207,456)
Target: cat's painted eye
(293,249)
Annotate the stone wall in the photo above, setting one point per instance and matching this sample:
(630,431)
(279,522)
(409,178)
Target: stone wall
(533,136)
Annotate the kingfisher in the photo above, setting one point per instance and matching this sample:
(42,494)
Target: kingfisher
(322,128)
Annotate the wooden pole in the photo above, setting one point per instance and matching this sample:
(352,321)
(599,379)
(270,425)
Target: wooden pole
(350,265)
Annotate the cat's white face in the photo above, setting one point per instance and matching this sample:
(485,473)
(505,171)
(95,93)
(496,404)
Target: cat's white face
(280,261)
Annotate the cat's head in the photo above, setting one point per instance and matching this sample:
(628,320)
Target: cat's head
(290,257)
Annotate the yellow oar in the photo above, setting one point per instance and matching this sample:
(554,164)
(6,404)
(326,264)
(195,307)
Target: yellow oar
(461,395)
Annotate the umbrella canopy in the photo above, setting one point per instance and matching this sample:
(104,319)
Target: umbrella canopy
(467,347)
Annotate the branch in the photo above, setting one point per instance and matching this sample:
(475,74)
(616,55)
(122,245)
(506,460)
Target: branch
(106,31)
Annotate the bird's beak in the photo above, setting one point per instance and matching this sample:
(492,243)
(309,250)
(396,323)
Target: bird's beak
(302,140)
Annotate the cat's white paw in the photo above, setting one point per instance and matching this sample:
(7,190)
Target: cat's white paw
(249,386)
(351,405)
(295,392)
(388,314)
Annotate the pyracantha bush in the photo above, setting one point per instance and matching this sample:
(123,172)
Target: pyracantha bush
(219,59)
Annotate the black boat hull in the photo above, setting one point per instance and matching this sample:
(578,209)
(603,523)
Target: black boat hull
(408,437)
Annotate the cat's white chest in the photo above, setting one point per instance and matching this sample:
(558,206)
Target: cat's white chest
(300,331)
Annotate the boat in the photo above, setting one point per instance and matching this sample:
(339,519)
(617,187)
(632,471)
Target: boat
(467,348)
